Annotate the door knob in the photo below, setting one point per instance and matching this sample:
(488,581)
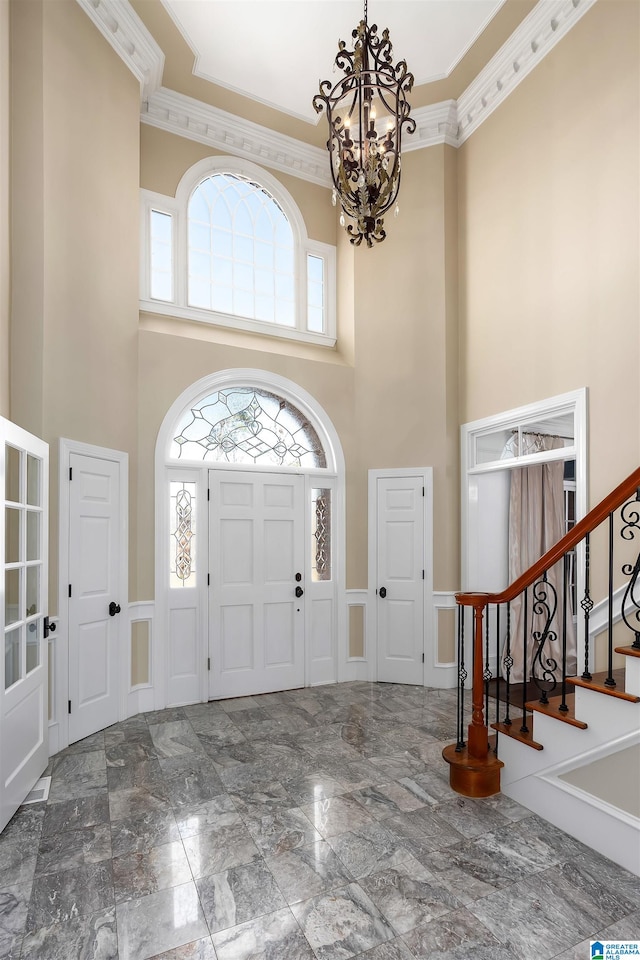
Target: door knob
(114,608)
(383,592)
(299,591)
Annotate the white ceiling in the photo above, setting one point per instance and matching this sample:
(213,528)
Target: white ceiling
(276,51)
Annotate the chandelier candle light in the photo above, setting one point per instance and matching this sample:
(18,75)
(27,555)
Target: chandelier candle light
(366,110)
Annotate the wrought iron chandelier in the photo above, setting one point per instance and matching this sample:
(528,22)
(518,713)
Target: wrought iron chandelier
(366,110)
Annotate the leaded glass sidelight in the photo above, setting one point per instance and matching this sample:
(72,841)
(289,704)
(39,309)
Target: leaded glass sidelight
(182,526)
(248,425)
(320,534)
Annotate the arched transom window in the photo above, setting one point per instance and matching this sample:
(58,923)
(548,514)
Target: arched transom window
(247,425)
(241,251)
(232,249)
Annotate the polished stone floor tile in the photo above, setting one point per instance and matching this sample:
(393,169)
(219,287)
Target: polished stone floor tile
(210,815)
(75,814)
(135,802)
(336,815)
(196,950)
(213,851)
(387,800)
(152,925)
(14,906)
(66,851)
(174,739)
(360,838)
(276,936)
(137,834)
(369,848)
(408,895)
(239,894)
(138,874)
(342,923)
(456,936)
(66,894)
(92,936)
(307,871)
(282,831)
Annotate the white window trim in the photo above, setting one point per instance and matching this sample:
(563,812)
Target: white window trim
(177,208)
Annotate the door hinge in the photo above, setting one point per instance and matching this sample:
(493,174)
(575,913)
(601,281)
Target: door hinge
(208,580)
(208,494)
(69,589)
(208,663)
(423,491)
(423,657)
(69,706)
(70,473)
(423,574)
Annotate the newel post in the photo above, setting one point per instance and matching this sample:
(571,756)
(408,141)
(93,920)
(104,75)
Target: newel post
(478,741)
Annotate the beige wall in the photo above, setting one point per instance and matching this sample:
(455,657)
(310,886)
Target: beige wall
(75,236)
(549,241)
(5,259)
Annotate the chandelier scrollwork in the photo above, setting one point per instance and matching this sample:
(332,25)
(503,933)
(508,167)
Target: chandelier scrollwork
(366,111)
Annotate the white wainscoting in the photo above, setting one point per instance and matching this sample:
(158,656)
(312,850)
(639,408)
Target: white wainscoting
(141,696)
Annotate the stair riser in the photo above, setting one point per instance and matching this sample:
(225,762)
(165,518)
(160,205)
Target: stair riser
(632,675)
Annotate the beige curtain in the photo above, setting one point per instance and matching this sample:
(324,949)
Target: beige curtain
(536,523)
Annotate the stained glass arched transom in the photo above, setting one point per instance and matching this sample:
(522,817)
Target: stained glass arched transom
(241,251)
(249,425)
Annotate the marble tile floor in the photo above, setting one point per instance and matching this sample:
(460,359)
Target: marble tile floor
(315,824)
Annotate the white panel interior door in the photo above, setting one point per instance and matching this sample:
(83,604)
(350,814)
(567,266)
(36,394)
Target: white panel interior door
(94,553)
(400,579)
(256,622)
(24,474)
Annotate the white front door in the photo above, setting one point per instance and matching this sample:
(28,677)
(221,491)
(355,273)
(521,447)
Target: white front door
(24,474)
(94,600)
(400,578)
(256,621)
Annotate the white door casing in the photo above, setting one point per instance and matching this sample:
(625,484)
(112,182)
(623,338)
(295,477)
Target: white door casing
(400,565)
(24,744)
(93,668)
(256,621)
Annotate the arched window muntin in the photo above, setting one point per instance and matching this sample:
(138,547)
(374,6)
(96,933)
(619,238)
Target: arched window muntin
(301,277)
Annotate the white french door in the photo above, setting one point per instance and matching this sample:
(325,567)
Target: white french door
(95,599)
(256,593)
(400,573)
(24,473)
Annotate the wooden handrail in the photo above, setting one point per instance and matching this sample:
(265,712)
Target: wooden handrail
(623,492)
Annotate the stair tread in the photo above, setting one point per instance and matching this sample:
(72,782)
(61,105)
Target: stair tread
(515,733)
(628,651)
(552,709)
(597,683)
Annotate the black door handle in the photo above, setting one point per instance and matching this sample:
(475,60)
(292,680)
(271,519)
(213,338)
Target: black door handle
(383,592)
(114,608)
(299,591)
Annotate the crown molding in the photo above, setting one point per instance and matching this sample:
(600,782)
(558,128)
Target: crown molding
(437,123)
(451,122)
(121,26)
(537,35)
(199,121)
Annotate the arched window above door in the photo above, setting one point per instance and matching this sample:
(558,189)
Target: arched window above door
(247,425)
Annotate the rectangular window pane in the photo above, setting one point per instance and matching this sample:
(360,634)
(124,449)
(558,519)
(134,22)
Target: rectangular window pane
(33,481)
(315,294)
(34,638)
(320,535)
(33,591)
(161,286)
(11,657)
(12,474)
(12,535)
(11,596)
(182,526)
(33,535)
